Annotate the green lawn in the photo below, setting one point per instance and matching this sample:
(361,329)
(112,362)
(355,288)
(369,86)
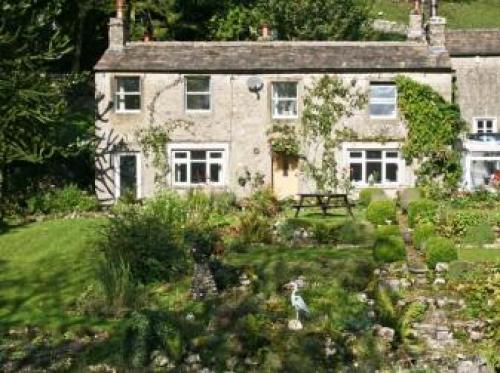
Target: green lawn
(479,255)
(44,267)
(459,14)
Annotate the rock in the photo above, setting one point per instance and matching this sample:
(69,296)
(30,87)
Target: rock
(387,334)
(190,316)
(370,302)
(295,325)
(101,368)
(401,303)
(439,281)
(405,284)
(466,366)
(193,359)
(203,283)
(421,270)
(159,359)
(441,302)
(371,314)
(376,272)
(442,267)
(393,284)
(475,336)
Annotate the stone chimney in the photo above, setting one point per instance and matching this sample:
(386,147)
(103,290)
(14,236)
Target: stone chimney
(436,32)
(415,28)
(117,31)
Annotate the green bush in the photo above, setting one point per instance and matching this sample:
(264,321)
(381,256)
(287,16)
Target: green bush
(408,195)
(421,211)
(462,220)
(352,232)
(255,227)
(422,233)
(380,212)
(459,270)
(481,234)
(148,239)
(388,230)
(285,229)
(370,194)
(63,201)
(389,249)
(440,249)
(264,202)
(204,206)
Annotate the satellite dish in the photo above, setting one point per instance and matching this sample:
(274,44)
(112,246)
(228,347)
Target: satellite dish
(255,83)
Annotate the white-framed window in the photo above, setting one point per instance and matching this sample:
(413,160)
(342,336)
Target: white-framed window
(127,167)
(383,100)
(374,166)
(198,164)
(198,93)
(485,125)
(285,100)
(128,94)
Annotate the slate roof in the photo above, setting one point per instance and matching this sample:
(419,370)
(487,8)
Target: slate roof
(273,56)
(473,42)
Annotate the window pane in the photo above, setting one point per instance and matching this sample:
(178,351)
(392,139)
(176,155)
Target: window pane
(489,124)
(391,154)
(374,154)
(373,172)
(198,84)
(132,102)
(356,171)
(198,154)
(215,173)
(383,91)
(356,154)
(285,108)
(180,155)
(285,90)
(128,174)
(129,84)
(215,155)
(198,172)
(181,173)
(391,172)
(198,102)
(382,110)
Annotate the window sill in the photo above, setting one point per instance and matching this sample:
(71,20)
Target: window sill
(128,112)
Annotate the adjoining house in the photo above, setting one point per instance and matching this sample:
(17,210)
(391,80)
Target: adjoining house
(232,92)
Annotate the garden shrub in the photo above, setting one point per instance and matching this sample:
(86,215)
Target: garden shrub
(63,201)
(440,249)
(322,233)
(385,307)
(352,232)
(459,270)
(285,229)
(389,249)
(205,206)
(255,227)
(380,212)
(462,220)
(370,194)
(422,233)
(388,230)
(148,239)
(481,234)
(421,211)
(408,195)
(263,201)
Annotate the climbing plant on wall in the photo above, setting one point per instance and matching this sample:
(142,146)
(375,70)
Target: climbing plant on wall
(326,102)
(434,126)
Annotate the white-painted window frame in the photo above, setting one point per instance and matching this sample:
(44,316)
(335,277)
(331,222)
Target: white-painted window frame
(208,93)
(276,100)
(209,148)
(117,180)
(122,93)
(384,161)
(383,101)
(476,121)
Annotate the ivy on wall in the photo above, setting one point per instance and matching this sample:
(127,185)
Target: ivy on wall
(434,127)
(283,140)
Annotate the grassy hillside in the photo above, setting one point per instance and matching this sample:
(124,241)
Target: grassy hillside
(44,267)
(459,13)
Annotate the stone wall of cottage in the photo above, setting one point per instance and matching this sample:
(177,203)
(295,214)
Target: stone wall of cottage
(238,117)
(478,87)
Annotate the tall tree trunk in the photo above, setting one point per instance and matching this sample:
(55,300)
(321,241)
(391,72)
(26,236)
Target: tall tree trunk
(79,29)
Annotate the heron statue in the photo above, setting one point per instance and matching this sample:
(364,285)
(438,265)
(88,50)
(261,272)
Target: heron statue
(297,301)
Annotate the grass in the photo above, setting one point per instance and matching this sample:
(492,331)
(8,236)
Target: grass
(459,14)
(479,255)
(44,267)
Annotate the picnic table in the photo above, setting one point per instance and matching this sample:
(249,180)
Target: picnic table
(325,201)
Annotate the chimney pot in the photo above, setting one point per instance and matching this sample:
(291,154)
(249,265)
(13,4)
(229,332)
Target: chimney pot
(119,9)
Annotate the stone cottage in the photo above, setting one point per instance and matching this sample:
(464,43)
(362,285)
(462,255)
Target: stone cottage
(228,94)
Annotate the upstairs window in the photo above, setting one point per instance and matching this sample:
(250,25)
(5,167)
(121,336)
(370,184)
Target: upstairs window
(285,100)
(383,101)
(128,94)
(197,93)
(485,125)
